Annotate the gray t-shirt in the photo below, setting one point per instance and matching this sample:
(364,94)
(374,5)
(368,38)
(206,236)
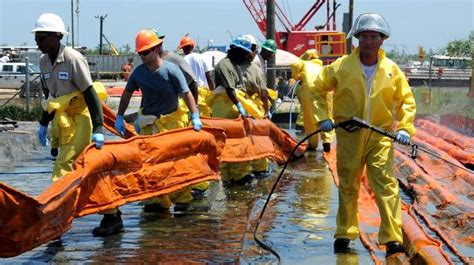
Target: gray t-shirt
(181,63)
(160,89)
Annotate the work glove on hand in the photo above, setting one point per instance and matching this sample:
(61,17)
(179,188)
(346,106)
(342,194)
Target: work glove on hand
(196,121)
(120,125)
(241,109)
(42,131)
(98,139)
(136,123)
(326,125)
(402,137)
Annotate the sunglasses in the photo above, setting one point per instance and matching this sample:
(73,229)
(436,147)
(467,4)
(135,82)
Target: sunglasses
(146,52)
(370,37)
(41,38)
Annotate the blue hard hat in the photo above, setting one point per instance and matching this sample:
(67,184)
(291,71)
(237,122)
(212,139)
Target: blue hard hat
(242,42)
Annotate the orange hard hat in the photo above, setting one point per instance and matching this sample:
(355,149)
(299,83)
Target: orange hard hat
(185,41)
(146,39)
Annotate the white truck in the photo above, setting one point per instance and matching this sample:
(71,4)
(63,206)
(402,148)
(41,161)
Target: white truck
(12,76)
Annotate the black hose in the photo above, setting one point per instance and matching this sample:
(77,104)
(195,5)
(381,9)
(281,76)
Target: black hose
(259,242)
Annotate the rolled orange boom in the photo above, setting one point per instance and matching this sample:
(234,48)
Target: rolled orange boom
(123,171)
(459,122)
(419,245)
(464,142)
(454,219)
(454,151)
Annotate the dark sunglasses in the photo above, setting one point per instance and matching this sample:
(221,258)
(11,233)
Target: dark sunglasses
(146,52)
(41,38)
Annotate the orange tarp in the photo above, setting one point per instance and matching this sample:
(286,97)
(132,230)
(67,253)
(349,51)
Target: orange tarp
(123,171)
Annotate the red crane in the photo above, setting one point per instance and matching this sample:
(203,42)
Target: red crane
(294,38)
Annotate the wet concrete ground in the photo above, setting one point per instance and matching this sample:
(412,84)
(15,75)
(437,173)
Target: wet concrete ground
(299,222)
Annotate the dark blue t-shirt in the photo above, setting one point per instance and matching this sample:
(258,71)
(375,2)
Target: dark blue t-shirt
(160,89)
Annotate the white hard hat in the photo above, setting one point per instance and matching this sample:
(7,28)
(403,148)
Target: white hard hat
(369,22)
(49,22)
(252,38)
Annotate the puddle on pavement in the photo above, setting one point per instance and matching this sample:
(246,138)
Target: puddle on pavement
(299,223)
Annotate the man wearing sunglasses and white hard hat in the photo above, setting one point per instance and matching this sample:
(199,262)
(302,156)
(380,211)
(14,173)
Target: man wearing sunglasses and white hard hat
(370,86)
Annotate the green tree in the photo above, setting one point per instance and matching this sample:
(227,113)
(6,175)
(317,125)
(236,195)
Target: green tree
(460,47)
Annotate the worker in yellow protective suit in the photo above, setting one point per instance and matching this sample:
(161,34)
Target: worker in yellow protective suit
(306,70)
(370,86)
(256,92)
(228,99)
(166,101)
(73,104)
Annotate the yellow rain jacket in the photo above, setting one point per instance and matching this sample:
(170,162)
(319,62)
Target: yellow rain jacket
(389,97)
(306,72)
(71,128)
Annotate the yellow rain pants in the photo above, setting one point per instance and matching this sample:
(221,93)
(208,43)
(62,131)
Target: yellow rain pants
(149,125)
(255,104)
(388,97)
(222,107)
(377,153)
(204,94)
(299,118)
(71,127)
(307,72)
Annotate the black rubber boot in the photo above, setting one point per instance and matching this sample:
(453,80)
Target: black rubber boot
(246,179)
(310,148)
(341,245)
(198,194)
(111,224)
(181,207)
(393,248)
(54,152)
(326,147)
(154,208)
(261,174)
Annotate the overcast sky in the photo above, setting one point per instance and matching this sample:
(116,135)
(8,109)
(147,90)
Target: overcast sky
(428,23)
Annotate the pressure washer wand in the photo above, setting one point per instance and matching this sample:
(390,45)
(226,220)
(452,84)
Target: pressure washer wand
(354,123)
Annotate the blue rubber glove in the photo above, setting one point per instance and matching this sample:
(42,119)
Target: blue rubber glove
(196,121)
(402,137)
(42,131)
(241,109)
(137,125)
(98,139)
(326,125)
(120,125)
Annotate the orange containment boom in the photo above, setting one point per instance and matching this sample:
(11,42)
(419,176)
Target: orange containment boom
(121,172)
(422,248)
(247,139)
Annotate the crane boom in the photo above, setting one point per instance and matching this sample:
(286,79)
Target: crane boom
(294,38)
